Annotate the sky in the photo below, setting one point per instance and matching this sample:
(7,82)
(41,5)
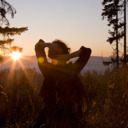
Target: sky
(76,22)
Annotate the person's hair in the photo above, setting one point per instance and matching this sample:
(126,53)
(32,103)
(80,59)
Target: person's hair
(64,47)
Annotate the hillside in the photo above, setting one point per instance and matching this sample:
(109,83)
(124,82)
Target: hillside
(94,64)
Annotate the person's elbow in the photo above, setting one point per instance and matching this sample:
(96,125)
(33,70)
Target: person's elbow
(89,51)
(85,51)
(37,47)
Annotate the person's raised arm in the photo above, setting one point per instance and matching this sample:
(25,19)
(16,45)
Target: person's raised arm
(84,54)
(67,57)
(41,56)
(39,49)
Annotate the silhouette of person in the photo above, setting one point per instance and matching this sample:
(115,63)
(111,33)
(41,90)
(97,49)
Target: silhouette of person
(62,91)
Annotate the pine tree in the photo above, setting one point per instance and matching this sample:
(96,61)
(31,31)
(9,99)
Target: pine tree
(6,31)
(111,11)
(125,36)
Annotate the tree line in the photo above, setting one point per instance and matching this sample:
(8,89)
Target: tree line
(115,12)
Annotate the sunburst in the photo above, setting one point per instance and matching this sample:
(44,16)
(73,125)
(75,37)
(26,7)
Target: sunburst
(16,55)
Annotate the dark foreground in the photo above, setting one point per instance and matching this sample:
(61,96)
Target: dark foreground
(106,98)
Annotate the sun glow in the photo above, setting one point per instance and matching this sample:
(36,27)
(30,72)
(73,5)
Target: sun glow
(16,55)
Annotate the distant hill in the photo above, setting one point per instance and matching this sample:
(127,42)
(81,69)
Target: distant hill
(94,64)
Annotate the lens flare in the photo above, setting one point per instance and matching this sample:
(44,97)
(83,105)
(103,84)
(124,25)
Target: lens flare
(16,55)
(55,62)
(40,59)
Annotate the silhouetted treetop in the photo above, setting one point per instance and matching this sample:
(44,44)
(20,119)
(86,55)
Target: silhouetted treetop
(5,30)
(5,8)
(8,41)
(105,1)
(110,11)
(16,48)
(12,31)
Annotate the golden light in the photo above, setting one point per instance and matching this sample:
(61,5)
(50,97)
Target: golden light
(40,59)
(16,55)
(55,62)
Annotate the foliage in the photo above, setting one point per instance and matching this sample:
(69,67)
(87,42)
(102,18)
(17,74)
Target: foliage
(12,31)
(110,11)
(8,41)
(5,8)
(113,11)
(6,32)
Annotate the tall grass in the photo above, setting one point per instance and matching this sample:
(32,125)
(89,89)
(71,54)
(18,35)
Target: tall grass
(23,103)
(106,98)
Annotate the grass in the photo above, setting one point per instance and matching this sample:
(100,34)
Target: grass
(106,98)
(23,103)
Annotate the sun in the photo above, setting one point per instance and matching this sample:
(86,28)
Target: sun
(16,55)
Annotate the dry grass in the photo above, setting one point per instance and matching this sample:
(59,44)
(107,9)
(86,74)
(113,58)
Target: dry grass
(106,98)
(21,88)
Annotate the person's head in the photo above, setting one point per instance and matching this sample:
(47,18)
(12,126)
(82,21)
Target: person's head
(58,47)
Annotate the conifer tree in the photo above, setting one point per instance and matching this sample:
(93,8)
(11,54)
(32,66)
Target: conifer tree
(5,31)
(112,11)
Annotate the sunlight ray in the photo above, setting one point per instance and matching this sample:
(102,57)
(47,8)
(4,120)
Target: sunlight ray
(29,78)
(27,58)
(6,61)
(11,73)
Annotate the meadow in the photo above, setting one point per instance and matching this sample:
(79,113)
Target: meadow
(106,98)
